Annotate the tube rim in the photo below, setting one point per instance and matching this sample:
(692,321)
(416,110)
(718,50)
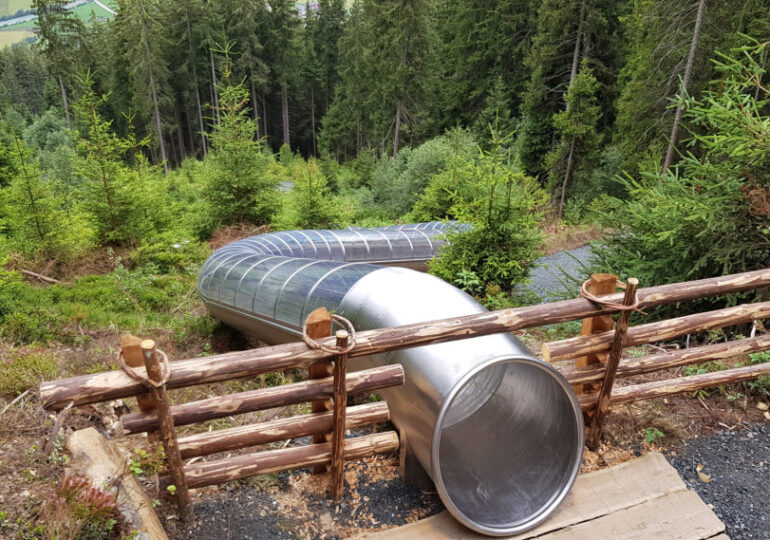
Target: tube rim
(548,509)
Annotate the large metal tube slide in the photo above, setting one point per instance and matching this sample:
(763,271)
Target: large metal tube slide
(499,431)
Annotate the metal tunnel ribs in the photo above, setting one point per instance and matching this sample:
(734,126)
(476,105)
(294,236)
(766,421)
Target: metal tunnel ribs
(499,431)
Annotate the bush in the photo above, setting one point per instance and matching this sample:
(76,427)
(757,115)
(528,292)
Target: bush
(309,204)
(397,182)
(171,251)
(501,204)
(239,187)
(707,215)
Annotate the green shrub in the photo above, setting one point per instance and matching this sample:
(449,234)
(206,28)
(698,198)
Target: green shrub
(171,251)
(239,187)
(397,182)
(705,216)
(309,204)
(501,204)
(24,370)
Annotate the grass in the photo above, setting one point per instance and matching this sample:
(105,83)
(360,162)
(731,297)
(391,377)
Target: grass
(24,370)
(11,7)
(15,34)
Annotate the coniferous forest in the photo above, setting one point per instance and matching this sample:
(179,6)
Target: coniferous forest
(133,145)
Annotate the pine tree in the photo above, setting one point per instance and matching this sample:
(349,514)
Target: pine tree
(282,34)
(141,29)
(496,116)
(479,43)
(109,192)
(60,34)
(567,32)
(240,188)
(576,127)
(39,220)
(342,126)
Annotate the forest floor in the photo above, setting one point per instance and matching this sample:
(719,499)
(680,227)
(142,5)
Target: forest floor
(724,430)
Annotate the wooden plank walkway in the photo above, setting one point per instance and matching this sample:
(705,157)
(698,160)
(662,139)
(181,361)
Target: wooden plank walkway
(641,498)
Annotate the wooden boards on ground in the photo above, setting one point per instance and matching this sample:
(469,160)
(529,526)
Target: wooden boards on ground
(641,498)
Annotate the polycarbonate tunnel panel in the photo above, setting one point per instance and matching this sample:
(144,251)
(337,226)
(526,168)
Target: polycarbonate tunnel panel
(316,284)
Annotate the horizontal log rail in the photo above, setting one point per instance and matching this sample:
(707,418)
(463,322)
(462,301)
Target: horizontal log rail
(236,438)
(266,398)
(654,389)
(270,461)
(673,359)
(657,331)
(116,384)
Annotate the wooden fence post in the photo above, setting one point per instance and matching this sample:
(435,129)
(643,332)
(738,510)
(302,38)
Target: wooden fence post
(600,284)
(319,325)
(340,409)
(616,351)
(131,348)
(167,432)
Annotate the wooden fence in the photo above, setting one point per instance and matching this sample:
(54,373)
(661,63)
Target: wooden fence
(594,378)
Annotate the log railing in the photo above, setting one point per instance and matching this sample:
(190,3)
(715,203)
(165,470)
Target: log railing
(117,384)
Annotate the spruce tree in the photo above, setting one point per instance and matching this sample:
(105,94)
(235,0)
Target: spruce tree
(110,193)
(141,28)
(240,188)
(60,33)
(576,128)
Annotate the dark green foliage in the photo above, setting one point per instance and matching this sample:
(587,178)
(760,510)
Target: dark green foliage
(479,56)
(240,187)
(501,204)
(571,162)
(309,204)
(708,215)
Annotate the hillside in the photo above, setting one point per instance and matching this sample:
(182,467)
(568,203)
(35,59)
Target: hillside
(21,27)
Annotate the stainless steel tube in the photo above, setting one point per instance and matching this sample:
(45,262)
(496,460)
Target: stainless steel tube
(499,431)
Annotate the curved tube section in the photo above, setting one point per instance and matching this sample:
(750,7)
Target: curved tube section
(499,431)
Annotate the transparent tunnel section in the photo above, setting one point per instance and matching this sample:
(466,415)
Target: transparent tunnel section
(499,431)
(279,278)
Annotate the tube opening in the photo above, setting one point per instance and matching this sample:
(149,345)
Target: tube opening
(507,446)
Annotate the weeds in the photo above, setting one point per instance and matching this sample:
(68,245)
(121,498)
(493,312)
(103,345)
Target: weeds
(651,434)
(77,510)
(24,370)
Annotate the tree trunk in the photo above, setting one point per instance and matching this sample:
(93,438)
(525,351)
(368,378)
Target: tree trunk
(567,172)
(158,127)
(264,115)
(359,138)
(397,131)
(214,97)
(285,114)
(200,118)
(576,50)
(254,103)
(154,94)
(65,102)
(685,83)
(312,117)
(179,135)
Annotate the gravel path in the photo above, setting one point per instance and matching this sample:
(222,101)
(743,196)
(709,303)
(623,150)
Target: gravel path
(738,463)
(548,279)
